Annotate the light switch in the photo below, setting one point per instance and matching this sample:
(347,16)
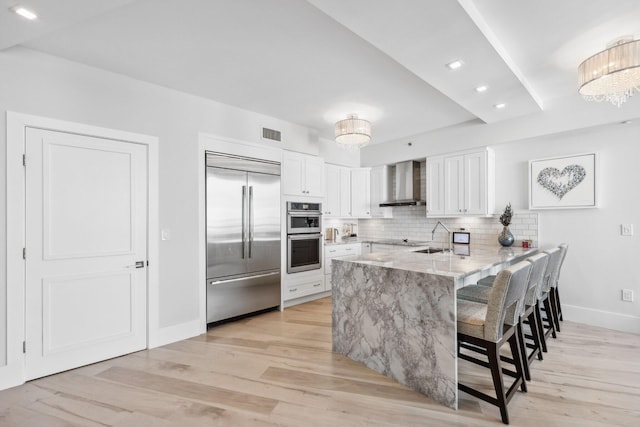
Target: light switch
(165,234)
(626,229)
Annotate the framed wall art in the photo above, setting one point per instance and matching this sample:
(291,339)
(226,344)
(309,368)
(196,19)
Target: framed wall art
(567,182)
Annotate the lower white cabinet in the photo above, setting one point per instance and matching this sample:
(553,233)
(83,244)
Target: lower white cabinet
(337,251)
(303,286)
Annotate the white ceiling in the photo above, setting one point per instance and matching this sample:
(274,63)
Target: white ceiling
(314,62)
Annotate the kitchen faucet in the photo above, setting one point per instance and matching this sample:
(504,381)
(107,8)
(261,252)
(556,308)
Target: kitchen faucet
(433,232)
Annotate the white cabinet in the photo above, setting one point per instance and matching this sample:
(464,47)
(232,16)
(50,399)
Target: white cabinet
(435,186)
(454,185)
(461,184)
(331,206)
(302,174)
(360,193)
(347,192)
(297,288)
(337,199)
(380,191)
(337,251)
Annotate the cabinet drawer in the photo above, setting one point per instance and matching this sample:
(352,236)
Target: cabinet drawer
(343,250)
(301,290)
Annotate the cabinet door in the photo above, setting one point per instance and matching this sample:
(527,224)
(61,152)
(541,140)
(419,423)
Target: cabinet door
(475,184)
(314,176)
(454,185)
(292,173)
(435,187)
(360,193)
(331,206)
(379,183)
(345,192)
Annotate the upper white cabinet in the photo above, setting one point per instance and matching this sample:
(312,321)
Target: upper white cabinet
(461,184)
(347,192)
(435,186)
(360,193)
(337,199)
(302,174)
(380,191)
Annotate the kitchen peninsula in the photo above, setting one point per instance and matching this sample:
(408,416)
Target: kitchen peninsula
(396,313)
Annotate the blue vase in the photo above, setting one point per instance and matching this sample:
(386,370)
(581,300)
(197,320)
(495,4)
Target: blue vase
(505,238)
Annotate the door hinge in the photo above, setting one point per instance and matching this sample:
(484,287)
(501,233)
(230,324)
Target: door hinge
(24,347)
(24,253)
(24,160)
(147,263)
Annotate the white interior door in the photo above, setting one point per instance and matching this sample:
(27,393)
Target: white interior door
(86,227)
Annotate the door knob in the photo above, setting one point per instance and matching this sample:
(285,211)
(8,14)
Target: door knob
(138,264)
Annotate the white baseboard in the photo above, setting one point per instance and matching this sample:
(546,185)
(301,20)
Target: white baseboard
(175,333)
(308,298)
(11,376)
(604,319)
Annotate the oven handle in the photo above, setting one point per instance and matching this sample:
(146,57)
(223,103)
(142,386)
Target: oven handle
(305,213)
(306,236)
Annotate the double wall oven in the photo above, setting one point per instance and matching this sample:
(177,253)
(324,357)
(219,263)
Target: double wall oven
(304,238)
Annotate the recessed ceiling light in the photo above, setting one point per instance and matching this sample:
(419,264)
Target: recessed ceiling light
(455,64)
(500,106)
(482,88)
(25,13)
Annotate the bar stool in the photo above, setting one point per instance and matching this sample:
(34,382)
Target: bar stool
(534,288)
(547,324)
(484,328)
(554,296)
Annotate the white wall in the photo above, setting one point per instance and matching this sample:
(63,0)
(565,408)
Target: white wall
(38,84)
(600,262)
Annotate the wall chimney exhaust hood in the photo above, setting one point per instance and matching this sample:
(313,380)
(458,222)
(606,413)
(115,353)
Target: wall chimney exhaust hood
(407,188)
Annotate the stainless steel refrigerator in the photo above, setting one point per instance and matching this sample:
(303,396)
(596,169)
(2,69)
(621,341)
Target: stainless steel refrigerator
(243,235)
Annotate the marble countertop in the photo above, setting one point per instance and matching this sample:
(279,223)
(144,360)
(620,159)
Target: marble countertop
(399,242)
(444,264)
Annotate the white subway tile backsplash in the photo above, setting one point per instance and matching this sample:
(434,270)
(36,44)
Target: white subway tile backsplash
(411,223)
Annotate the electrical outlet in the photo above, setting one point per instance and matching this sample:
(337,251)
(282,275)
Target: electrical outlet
(626,229)
(627,295)
(165,234)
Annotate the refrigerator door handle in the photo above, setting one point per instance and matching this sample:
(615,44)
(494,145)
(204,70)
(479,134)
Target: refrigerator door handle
(244,215)
(238,279)
(250,219)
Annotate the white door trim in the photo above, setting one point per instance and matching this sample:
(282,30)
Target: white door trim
(13,373)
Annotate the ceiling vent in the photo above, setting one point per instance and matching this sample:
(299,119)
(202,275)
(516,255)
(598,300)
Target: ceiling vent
(271,134)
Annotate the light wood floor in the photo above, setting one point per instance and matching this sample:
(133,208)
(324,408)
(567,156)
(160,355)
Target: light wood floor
(278,369)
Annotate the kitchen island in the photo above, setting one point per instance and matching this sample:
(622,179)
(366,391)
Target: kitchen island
(396,313)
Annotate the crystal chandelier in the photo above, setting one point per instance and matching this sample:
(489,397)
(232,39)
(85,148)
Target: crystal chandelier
(353,133)
(613,74)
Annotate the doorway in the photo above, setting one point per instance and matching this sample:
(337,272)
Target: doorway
(84,284)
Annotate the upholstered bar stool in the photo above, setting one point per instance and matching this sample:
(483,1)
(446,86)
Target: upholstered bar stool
(554,296)
(484,328)
(534,288)
(546,323)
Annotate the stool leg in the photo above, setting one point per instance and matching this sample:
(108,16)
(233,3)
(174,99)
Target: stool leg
(549,312)
(540,327)
(533,324)
(523,351)
(559,305)
(496,374)
(554,307)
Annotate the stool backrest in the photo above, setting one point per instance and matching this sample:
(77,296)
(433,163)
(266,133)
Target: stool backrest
(553,267)
(506,299)
(536,278)
(563,253)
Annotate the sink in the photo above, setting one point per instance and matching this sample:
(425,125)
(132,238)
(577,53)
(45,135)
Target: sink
(430,251)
